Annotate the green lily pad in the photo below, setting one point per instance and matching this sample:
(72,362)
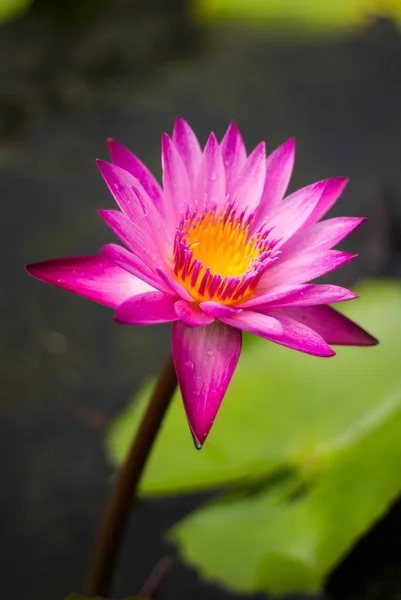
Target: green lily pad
(12,8)
(282,407)
(309,14)
(295,535)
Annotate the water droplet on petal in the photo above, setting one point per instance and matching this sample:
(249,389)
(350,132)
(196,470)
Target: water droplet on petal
(190,365)
(198,378)
(210,352)
(196,393)
(213,177)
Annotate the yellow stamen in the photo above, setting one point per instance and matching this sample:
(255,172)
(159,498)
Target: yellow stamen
(215,255)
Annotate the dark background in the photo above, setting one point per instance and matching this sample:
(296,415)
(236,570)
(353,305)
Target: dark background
(72,74)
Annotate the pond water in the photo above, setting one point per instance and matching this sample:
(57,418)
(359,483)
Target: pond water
(66,368)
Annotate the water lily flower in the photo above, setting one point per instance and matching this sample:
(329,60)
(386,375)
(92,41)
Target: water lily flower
(217,250)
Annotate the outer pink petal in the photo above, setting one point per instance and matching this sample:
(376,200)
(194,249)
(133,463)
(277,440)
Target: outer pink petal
(291,214)
(126,160)
(147,309)
(234,155)
(133,264)
(205,359)
(176,183)
(134,237)
(134,201)
(211,188)
(94,277)
(301,295)
(334,327)
(281,330)
(248,189)
(273,294)
(188,146)
(321,236)
(313,294)
(279,165)
(301,269)
(332,192)
(190,314)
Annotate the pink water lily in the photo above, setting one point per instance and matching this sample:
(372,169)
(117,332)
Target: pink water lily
(218,250)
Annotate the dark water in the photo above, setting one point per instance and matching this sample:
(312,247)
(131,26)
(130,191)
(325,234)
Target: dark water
(66,368)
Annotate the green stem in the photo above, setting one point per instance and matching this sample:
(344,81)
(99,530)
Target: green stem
(113,524)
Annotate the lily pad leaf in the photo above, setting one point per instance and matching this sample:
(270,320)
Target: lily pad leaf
(281,407)
(289,541)
(311,15)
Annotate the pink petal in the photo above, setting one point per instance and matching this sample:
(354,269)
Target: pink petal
(300,295)
(190,314)
(248,189)
(292,213)
(334,327)
(129,162)
(211,189)
(301,269)
(234,155)
(94,277)
(188,146)
(172,284)
(205,359)
(147,309)
(218,310)
(279,165)
(134,201)
(176,183)
(313,294)
(133,264)
(321,236)
(281,330)
(332,192)
(135,238)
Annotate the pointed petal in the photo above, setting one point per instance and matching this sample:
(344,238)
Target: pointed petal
(301,295)
(334,327)
(279,165)
(302,268)
(133,264)
(94,277)
(281,330)
(211,189)
(234,155)
(176,183)
(321,236)
(147,309)
(248,189)
(188,146)
(190,314)
(332,192)
(172,284)
(274,294)
(129,162)
(313,294)
(134,201)
(205,359)
(292,213)
(133,236)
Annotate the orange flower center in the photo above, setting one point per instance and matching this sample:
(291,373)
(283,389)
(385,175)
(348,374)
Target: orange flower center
(216,257)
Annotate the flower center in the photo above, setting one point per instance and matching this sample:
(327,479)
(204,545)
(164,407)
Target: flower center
(216,257)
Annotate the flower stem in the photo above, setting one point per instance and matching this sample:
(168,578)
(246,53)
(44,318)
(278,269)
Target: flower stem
(112,526)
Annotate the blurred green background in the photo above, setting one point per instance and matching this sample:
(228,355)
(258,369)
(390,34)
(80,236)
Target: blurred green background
(298,483)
